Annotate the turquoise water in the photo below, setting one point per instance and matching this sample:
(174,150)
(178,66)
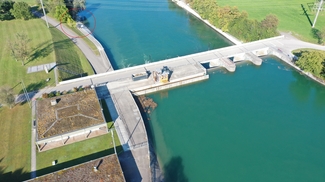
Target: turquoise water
(258,124)
(135,32)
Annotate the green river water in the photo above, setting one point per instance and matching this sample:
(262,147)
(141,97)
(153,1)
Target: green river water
(262,123)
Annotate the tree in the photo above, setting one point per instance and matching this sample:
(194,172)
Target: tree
(269,26)
(19,48)
(205,7)
(62,14)
(52,4)
(7,97)
(5,7)
(313,62)
(79,4)
(21,10)
(226,16)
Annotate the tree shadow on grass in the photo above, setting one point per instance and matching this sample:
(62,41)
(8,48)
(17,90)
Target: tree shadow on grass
(317,34)
(12,176)
(45,48)
(34,86)
(174,170)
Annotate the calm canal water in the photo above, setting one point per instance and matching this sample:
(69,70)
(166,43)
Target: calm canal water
(262,123)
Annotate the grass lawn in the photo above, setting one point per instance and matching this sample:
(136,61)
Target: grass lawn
(76,153)
(15,123)
(15,143)
(13,72)
(72,63)
(30,2)
(289,12)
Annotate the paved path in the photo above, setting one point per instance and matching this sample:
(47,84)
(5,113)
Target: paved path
(33,147)
(38,68)
(96,61)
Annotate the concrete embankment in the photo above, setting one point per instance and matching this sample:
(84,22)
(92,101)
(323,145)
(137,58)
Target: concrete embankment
(288,58)
(83,29)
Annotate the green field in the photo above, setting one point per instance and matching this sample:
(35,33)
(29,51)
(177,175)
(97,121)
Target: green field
(76,153)
(46,46)
(15,143)
(289,12)
(13,72)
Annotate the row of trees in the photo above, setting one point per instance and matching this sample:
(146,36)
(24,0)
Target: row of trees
(65,10)
(230,19)
(10,10)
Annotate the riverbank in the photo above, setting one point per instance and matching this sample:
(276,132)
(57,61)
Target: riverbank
(289,58)
(185,6)
(87,33)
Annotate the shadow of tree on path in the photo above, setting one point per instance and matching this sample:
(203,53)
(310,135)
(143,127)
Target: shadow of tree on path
(174,170)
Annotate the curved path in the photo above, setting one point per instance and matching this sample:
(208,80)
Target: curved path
(99,64)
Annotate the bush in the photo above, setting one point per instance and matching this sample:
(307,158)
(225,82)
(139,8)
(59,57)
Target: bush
(45,95)
(75,89)
(51,94)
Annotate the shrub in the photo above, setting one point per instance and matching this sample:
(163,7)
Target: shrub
(45,95)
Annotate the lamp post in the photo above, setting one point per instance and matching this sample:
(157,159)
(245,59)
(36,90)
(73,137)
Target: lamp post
(47,23)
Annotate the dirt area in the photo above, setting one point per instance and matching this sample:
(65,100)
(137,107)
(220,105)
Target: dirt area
(108,169)
(147,103)
(72,112)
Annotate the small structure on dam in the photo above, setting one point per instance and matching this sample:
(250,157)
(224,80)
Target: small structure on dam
(162,75)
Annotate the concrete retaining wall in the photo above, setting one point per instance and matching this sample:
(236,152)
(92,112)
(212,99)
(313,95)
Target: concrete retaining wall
(71,134)
(147,90)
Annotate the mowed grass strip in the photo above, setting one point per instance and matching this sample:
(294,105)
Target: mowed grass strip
(76,153)
(15,143)
(72,63)
(41,52)
(290,14)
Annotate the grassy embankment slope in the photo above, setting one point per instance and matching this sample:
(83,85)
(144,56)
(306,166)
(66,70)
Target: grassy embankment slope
(290,14)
